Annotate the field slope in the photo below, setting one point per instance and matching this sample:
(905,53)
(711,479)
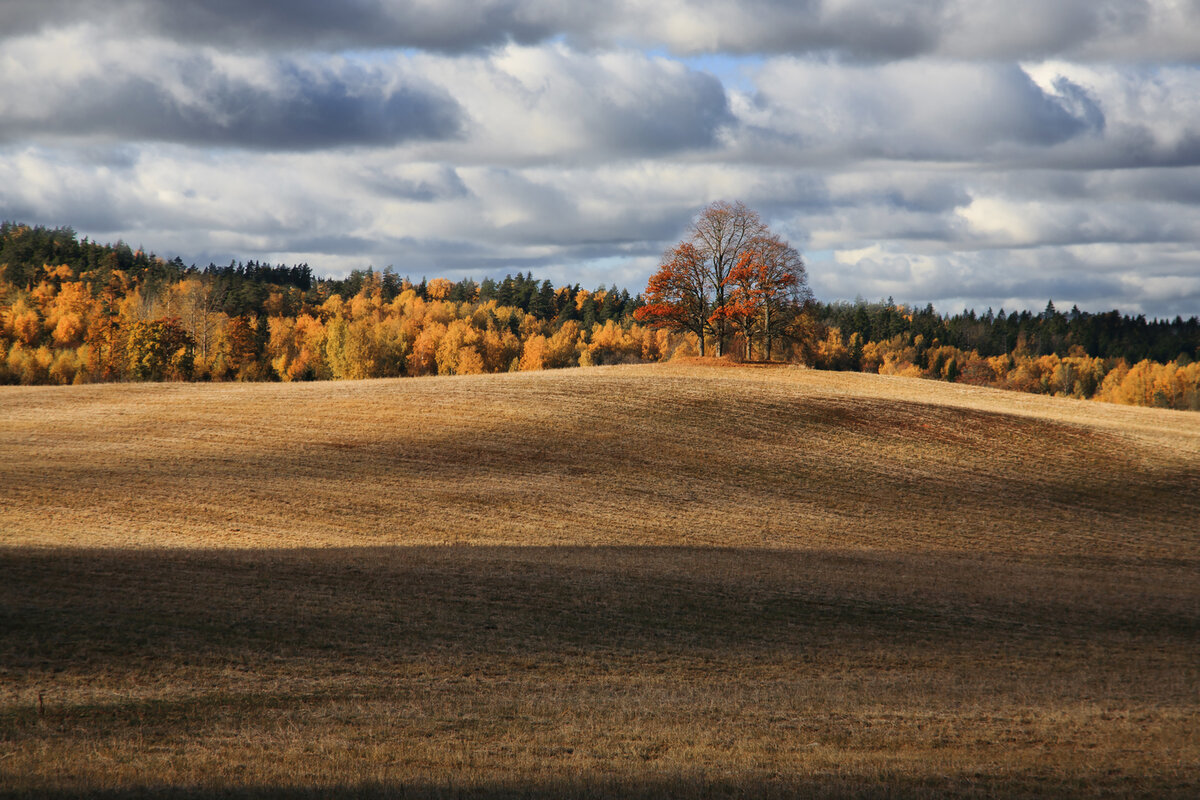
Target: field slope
(625,581)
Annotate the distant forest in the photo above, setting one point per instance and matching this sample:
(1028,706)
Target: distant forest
(74,311)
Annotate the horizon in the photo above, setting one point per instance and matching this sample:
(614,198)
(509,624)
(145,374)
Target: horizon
(417,280)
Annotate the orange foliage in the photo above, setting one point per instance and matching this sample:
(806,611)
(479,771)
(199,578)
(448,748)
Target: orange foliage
(675,295)
(533,354)
(438,289)
(460,340)
(26,326)
(609,343)
(423,358)
(1147,383)
(68,330)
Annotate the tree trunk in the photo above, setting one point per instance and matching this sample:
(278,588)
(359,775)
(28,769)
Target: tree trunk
(767,329)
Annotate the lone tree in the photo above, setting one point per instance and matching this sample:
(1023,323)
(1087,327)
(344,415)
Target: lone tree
(731,273)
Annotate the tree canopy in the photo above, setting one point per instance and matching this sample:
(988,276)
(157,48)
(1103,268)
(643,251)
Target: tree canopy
(730,276)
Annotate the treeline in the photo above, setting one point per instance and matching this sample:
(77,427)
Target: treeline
(25,251)
(108,313)
(1108,356)
(74,311)
(1105,335)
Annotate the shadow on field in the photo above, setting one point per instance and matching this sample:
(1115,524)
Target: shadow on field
(683,787)
(77,609)
(548,672)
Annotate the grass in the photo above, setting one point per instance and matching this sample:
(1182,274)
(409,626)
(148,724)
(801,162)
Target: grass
(611,582)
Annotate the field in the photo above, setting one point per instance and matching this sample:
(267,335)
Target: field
(640,581)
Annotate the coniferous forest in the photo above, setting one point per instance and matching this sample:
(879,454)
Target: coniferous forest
(76,311)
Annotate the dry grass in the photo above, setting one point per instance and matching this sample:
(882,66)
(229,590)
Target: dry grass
(683,581)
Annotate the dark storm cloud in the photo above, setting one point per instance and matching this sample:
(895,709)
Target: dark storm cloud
(59,191)
(301,109)
(555,105)
(1174,185)
(870,31)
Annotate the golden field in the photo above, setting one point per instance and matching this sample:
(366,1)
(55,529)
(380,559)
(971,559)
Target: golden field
(676,580)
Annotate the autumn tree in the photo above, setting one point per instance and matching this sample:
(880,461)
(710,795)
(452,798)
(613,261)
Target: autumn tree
(439,289)
(196,301)
(721,234)
(159,350)
(241,339)
(677,296)
(729,273)
(766,291)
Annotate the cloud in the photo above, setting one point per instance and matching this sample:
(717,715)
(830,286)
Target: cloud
(209,99)
(915,110)
(920,234)
(855,29)
(422,183)
(512,104)
(450,25)
(956,152)
(1096,277)
(552,104)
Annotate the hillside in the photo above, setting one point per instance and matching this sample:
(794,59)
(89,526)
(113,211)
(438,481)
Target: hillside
(685,579)
(653,455)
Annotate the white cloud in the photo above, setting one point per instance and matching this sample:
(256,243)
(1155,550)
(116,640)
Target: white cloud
(208,98)
(856,29)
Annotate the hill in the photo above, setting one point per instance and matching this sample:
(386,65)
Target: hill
(681,579)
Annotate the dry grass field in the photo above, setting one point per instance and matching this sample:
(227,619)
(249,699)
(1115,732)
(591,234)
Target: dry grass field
(643,581)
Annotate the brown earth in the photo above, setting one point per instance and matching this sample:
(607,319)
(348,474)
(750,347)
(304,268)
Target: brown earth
(620,581)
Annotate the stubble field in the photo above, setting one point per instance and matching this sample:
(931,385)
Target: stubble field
(624,581)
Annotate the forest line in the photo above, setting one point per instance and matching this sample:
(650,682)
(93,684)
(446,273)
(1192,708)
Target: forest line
(75,311)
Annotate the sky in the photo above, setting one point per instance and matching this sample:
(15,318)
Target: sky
(967,153)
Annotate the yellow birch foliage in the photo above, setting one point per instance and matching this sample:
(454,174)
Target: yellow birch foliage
(282,346)
(533,353)
(66,367)
(833,352)
(67,312)
(656,344)
(460,340)
(609,343)
(500,350)
(364,305)
(29,365)
(24,322)
(1148,383)
(363,348)
(438,289)
(334,306)
(310,350)
(423,358)
(562,347)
